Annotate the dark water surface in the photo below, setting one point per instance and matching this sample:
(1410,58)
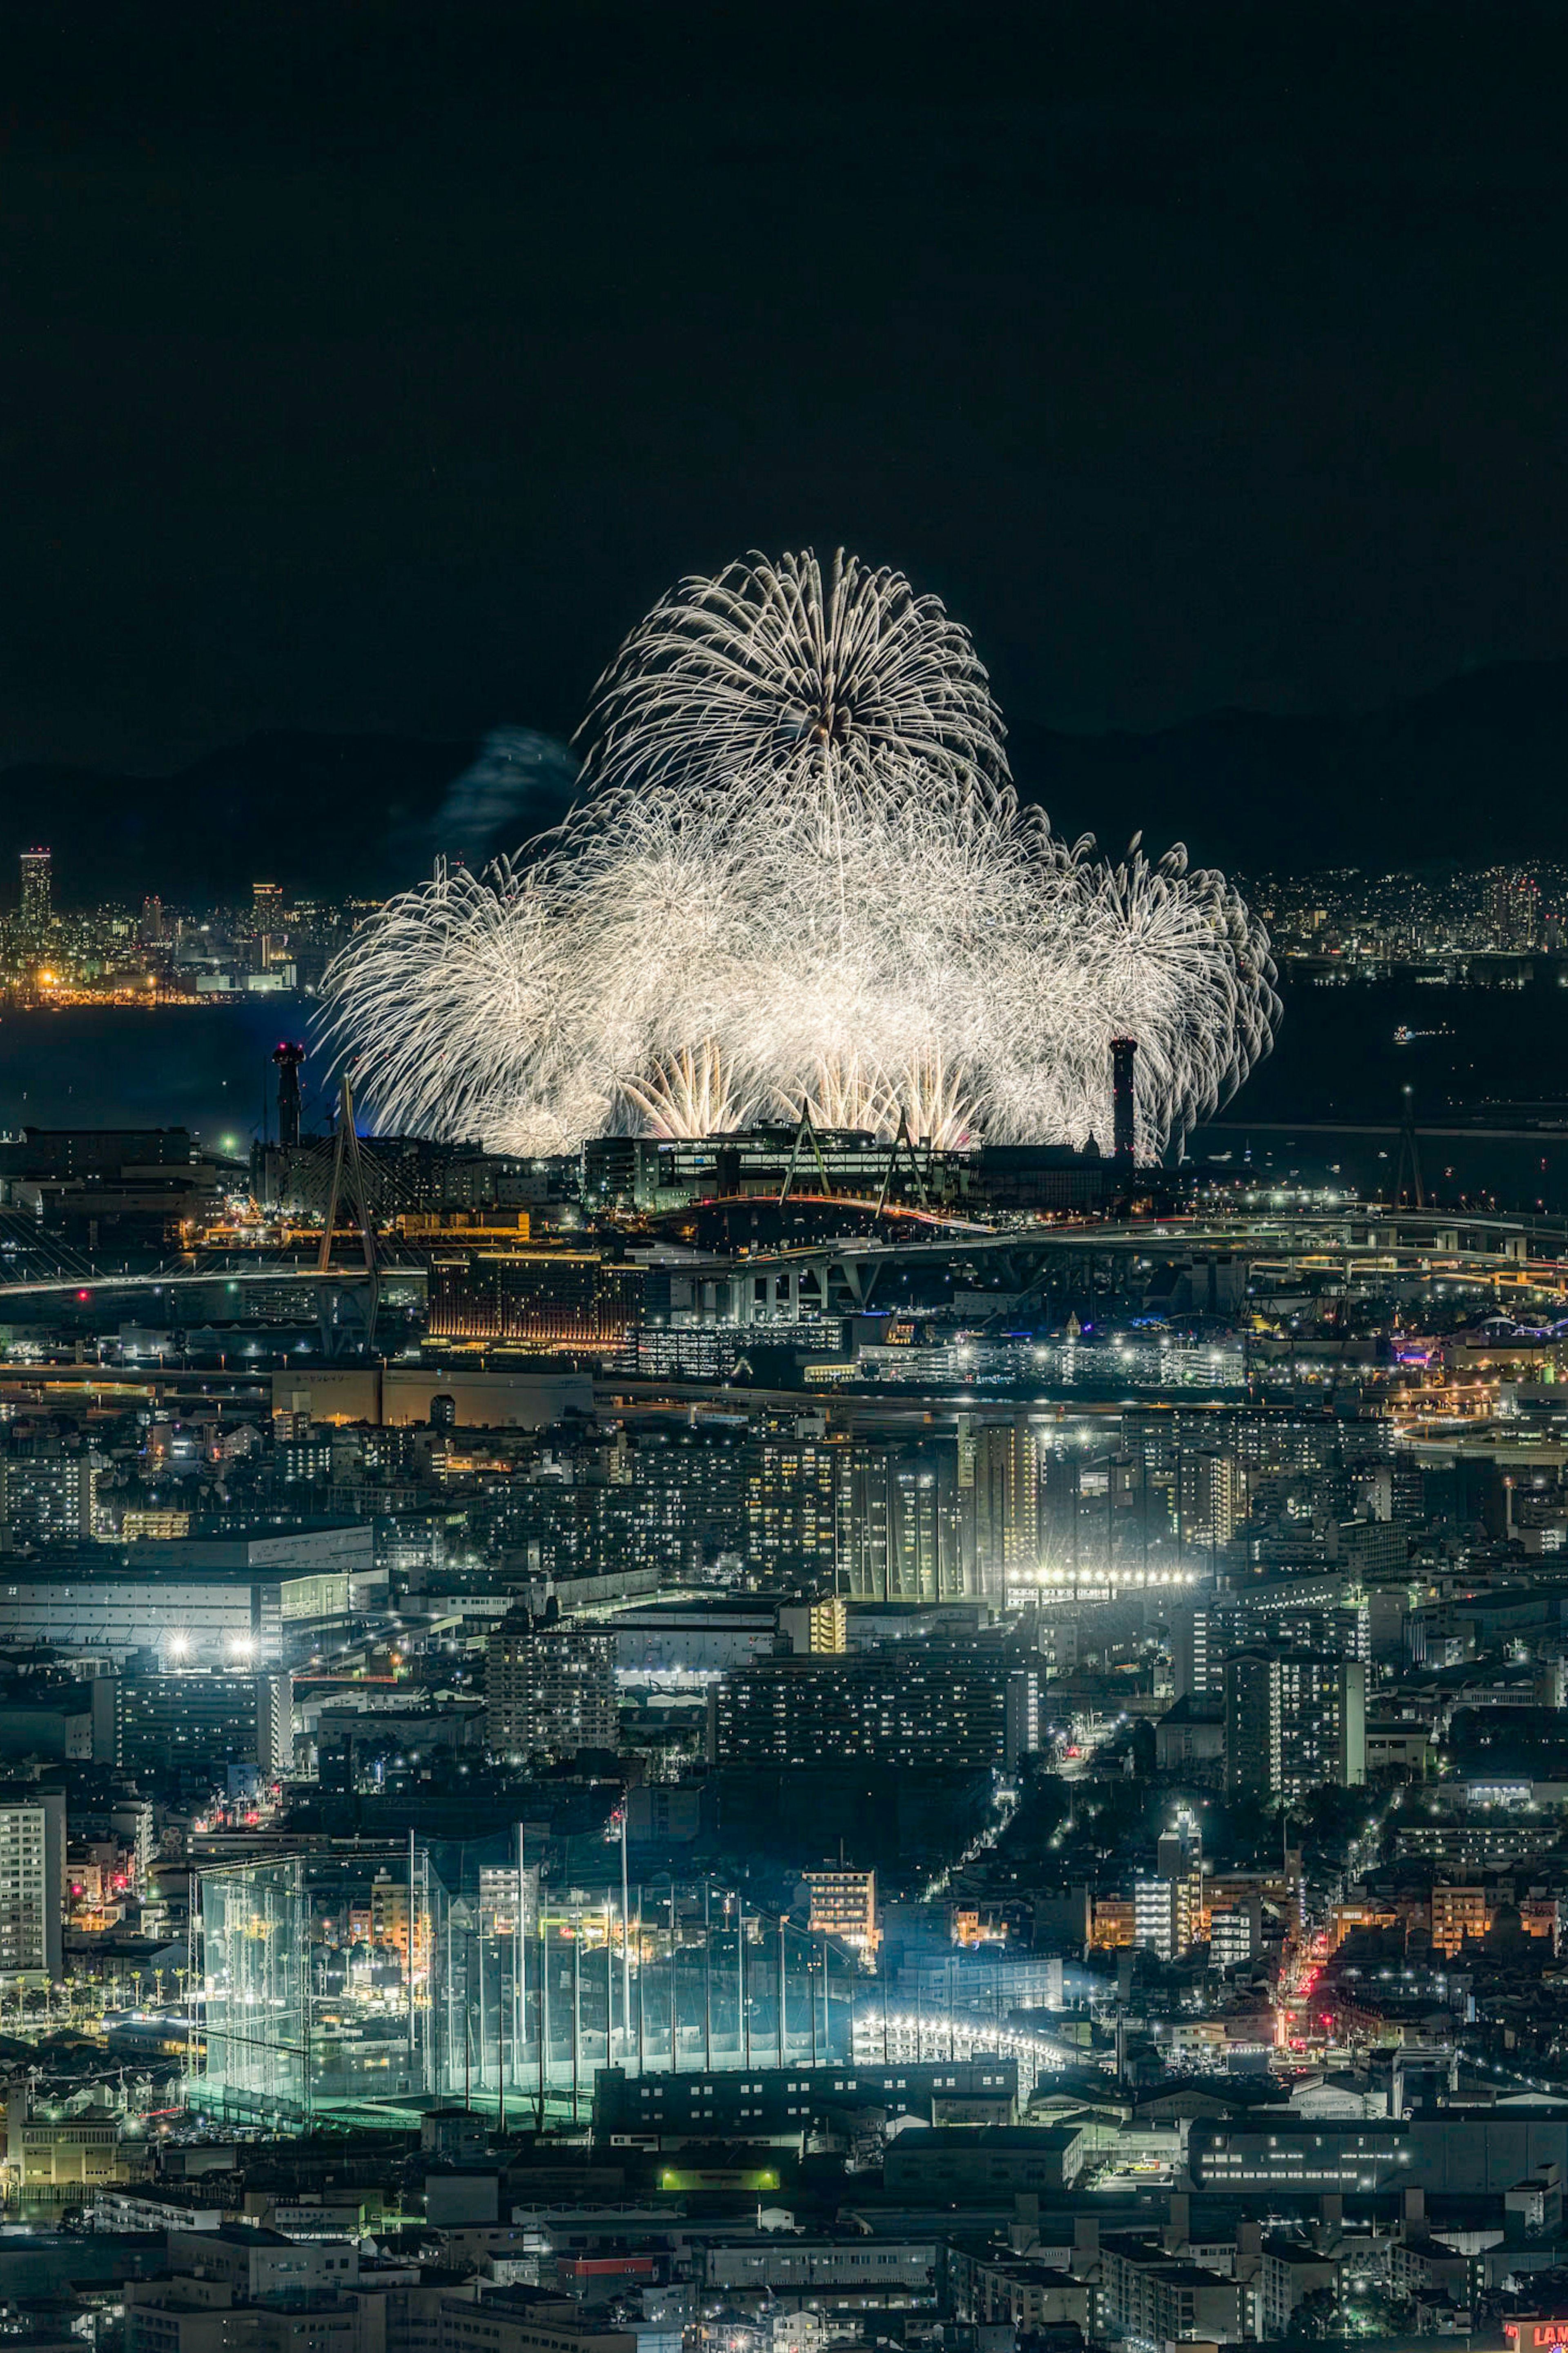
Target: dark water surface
(206,1067)
(1501,1055)
(1492,1058)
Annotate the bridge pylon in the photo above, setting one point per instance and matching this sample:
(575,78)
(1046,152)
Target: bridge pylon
(1407,1167)
(805,1131)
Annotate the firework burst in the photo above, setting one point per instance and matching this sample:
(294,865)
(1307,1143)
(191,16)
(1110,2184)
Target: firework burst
(799,875)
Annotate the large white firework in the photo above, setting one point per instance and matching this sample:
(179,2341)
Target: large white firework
(799,875)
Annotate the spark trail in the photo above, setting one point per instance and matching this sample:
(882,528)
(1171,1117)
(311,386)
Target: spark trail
(798,873)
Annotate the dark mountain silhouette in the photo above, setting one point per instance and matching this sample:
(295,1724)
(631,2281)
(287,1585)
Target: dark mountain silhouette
(338,814)
(1470,773)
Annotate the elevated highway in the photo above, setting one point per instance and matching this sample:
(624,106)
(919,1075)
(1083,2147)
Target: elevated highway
(1516,1255)
(1520,1256)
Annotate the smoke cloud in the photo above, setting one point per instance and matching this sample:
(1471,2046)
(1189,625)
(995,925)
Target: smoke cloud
(522,783)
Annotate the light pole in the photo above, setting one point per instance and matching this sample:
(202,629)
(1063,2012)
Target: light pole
(625,1933)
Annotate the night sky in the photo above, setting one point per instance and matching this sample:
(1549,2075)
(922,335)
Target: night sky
(369,368)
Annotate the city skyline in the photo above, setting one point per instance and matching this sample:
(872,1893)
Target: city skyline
(1396,786)
(783,1473)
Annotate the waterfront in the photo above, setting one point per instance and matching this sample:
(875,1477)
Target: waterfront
(205,1066)
(1490,1054)
(1488,1058)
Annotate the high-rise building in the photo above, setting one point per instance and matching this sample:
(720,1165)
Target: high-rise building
(1025,1689)
(999,1495)
(548,1690)
(36,907)
(1205,1633)
(898,1520)
(1210,1498)
(267,918)
(1515,911)
(286,1057)
(1294,1722)
(791,1505)
(48,1499)
(32,1883)
(1168,1909)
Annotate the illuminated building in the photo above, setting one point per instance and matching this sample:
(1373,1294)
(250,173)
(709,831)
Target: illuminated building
(998,1492)
(843,1905)
(1168,1909)
(1233,1936)
(1293,1723)
(898,1520)
(32,1883)
(36,911)
(48,1499)
(690,1352)
(193,1727)
(548,1690)
(776,2102)
(1458,1913)
(191,1612)
(757,1161)
(816,1626)
(1149,2298)
(674,1499)
(1515,911)
(1203,1634)
(539,1300)
(303,1460)
(791,1505)
(1115,1923)
(944,1709)
(620,1172)
(267,917)
(1471,2152)
(155,1523)
(1210,1498)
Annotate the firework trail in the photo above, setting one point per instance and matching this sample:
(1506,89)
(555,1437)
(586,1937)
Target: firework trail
(799,875)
